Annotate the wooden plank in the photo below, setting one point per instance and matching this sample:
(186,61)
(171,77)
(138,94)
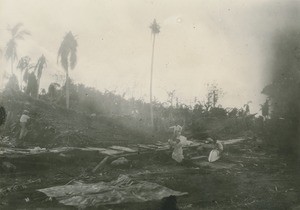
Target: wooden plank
(125,149)
(93,149)
(111,152)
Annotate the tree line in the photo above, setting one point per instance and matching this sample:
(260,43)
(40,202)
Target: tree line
(30,72)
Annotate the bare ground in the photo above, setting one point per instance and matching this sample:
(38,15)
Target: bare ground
(248,176)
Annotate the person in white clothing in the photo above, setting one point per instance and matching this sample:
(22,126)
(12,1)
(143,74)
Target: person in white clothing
(215,154)
(175,143)
(23,122)
(177,153)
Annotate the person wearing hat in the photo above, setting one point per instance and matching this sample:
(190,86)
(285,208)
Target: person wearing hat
(23,121)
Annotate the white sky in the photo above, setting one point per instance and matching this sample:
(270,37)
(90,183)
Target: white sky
(226,42)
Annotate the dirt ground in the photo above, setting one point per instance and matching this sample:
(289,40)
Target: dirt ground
(248,176)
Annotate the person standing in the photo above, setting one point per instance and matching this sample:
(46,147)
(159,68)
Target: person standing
(23,123)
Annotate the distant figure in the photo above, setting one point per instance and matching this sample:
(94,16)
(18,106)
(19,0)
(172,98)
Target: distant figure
(23,123)
(169,203)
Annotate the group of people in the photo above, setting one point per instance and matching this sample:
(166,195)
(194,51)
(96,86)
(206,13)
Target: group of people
(176,144)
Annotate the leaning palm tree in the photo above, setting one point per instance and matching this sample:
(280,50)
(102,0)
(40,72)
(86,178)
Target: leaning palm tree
(11,47)
(41,64)
(23,65)
(67,56)
(155,29)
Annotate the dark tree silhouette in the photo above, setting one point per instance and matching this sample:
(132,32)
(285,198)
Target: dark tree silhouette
(67,56)
(39,67)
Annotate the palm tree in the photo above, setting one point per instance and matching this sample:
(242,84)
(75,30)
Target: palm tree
(67,55)
(155,29)
(23,65)
(11,46)
(27,72)
(41,64)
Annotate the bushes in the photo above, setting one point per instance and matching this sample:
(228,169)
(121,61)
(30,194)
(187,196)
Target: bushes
(199,121)
(221,127)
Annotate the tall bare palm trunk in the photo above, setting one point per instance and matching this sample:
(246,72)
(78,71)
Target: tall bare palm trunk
(151,77)
(12,66)
(67,89)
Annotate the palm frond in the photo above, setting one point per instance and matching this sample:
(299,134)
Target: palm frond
(21,34)
(15,29)
(31,66)
(23,63)
(62,56)
(11,46)
(155,28)
(67,53)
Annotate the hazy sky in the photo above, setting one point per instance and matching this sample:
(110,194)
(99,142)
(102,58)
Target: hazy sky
(226,42)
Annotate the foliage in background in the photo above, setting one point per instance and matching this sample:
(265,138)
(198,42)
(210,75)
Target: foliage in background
(282,110)
(198,122)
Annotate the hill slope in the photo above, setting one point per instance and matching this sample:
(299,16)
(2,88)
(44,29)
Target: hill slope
(53,126)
